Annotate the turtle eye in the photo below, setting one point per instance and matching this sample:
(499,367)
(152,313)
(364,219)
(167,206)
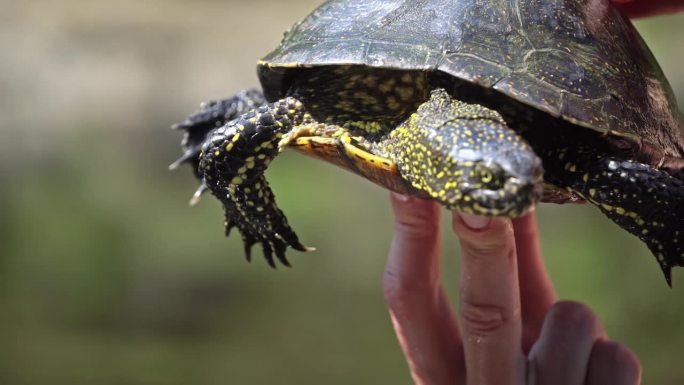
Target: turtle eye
(486,176)
(490,177)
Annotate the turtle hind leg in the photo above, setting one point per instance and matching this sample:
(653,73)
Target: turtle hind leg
(232,163)
(212,114)
(641,199)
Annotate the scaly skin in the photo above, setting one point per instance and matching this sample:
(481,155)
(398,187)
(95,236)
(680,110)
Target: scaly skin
(643,200)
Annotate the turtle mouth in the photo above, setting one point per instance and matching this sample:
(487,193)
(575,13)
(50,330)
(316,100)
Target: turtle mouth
(515,198)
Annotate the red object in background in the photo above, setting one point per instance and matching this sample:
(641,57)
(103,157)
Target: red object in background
(642,8)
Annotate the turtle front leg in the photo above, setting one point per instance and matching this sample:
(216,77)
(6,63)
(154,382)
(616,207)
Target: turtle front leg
(641,199)
(232,163)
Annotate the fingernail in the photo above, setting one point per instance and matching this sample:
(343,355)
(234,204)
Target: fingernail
(401,197)
(475,222)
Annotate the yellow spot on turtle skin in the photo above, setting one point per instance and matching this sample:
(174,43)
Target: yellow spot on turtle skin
(640,222)
(229,146)
(259,209)
(240,127)
(644,231)
(405,93)
(217,153)
(236,181)
(235,138)
(386,87)
(370,81)
(620,211)
(585,177)
(592,192)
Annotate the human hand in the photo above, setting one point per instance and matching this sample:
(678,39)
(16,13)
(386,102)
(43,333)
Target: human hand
(642,8)
(512,330)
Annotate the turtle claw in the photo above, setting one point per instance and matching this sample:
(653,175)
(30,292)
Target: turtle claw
(189,155)
(271,247)
(299,247)
(182,125)
(248,249)
(198,195)
(268,254)
(272,244)
(667,272)
(280,254)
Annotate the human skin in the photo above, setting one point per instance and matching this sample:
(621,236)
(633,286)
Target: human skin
(642,8)
(510,328)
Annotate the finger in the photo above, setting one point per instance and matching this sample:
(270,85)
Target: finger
(536,290)
(414,251)
(421,314)
(561,355)
(612,363)
(490,301)
(643,8)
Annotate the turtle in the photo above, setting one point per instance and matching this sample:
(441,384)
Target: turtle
(487,107)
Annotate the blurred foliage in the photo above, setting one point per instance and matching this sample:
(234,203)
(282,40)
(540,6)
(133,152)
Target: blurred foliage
(108,277)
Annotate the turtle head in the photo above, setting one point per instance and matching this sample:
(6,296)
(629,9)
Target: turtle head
(500,179)
(465,156)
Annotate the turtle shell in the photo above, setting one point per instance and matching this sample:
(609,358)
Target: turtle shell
(578,60)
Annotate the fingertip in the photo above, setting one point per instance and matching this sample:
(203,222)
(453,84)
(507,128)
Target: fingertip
(482,234)
(401,198)
(474,222)
(576,317)
(414,214)
(612,362)
(574,327)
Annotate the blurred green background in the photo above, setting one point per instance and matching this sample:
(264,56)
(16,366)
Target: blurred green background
(108,277)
